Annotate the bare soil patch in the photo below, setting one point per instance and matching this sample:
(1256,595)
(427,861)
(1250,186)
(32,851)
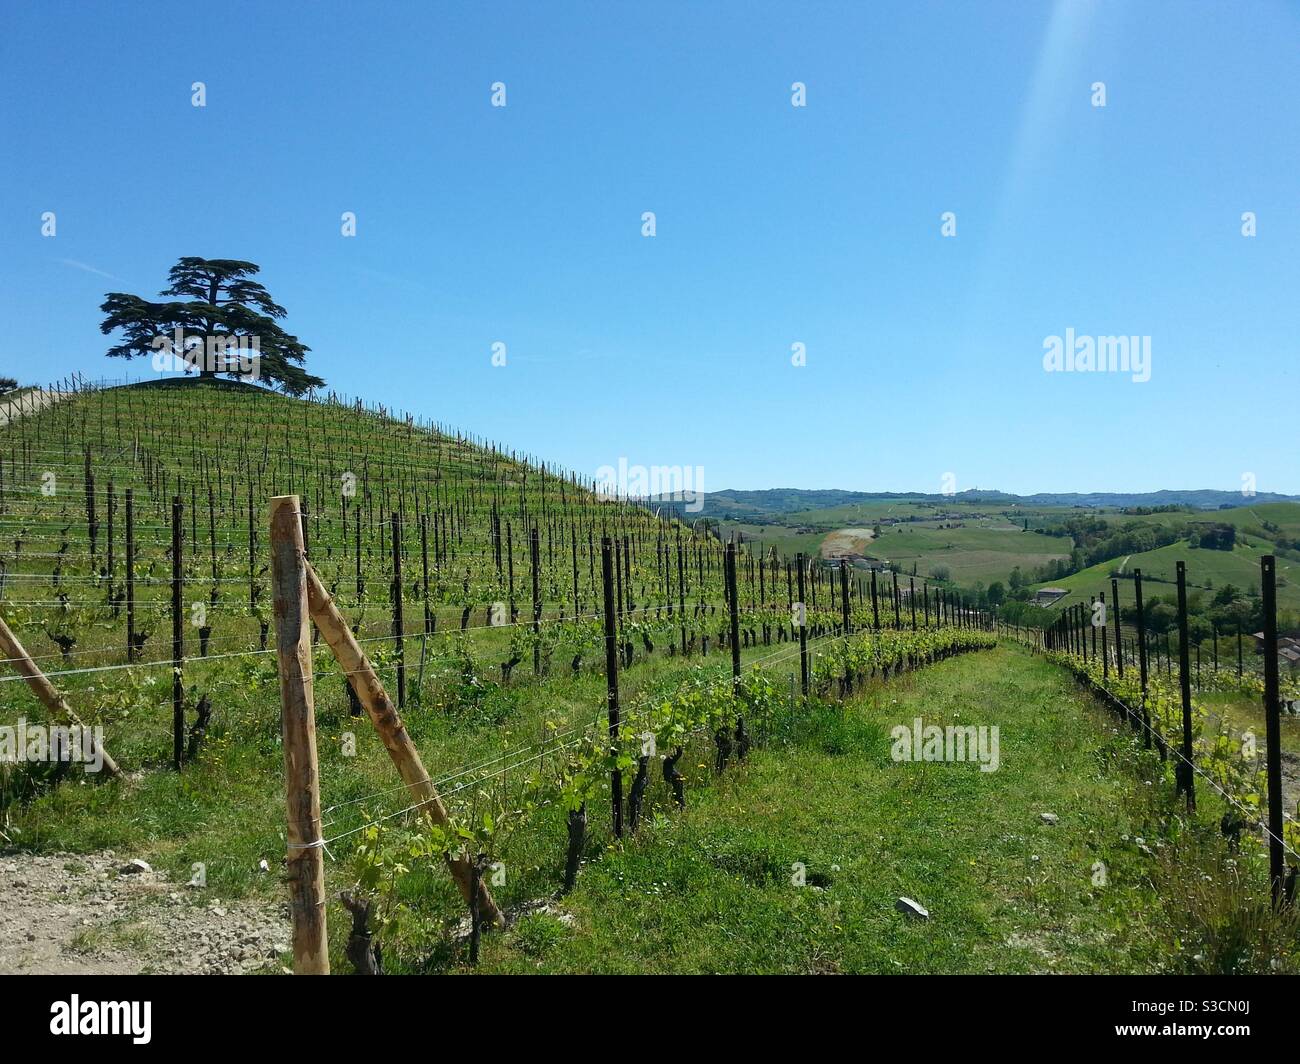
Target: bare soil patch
(846,541)
(82,914)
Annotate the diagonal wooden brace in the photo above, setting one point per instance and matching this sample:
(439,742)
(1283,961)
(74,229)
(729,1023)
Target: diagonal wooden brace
(12,649)
(383,715)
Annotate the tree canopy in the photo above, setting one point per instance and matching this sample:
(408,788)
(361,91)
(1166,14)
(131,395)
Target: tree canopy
(219,322)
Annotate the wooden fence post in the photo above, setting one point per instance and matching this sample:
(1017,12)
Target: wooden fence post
(306,857)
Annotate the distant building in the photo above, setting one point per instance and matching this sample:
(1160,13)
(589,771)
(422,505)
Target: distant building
(1045,596)
(1288,649)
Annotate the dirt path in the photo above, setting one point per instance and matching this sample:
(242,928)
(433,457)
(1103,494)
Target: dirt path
(28,403)
(84,914)
(846,541)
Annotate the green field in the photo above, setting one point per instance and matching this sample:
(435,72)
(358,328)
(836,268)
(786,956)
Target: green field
(1286,515)
(979,544)
(980,551)
(786,541)
(1206,569)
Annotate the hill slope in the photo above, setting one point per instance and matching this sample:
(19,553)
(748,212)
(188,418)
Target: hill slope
(1206,570)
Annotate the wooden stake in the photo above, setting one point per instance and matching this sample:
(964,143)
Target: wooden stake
(36,680)
(306,856)
(383,715)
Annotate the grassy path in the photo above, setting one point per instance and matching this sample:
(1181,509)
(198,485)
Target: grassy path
(712,891)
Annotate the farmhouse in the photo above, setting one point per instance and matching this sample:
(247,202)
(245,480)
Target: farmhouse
(1288,650)
(1045,596)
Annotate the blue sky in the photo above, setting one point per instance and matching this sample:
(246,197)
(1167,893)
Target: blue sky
(775,224)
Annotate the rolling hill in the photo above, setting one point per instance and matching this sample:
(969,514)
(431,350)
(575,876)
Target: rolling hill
(772,502)
(1206,569)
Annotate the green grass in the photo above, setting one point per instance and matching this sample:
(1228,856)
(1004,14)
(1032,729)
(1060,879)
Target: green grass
(711,890)
(786,540)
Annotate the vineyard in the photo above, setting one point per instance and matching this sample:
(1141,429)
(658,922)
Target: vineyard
(471,586)
(251,599)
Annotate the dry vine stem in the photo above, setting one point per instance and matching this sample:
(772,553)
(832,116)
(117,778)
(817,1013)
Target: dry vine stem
(383,715)
(12,649)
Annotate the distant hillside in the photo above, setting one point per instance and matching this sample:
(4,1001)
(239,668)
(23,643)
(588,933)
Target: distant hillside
(1200,498)
(1206,569)
(730,503)
(787,500)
